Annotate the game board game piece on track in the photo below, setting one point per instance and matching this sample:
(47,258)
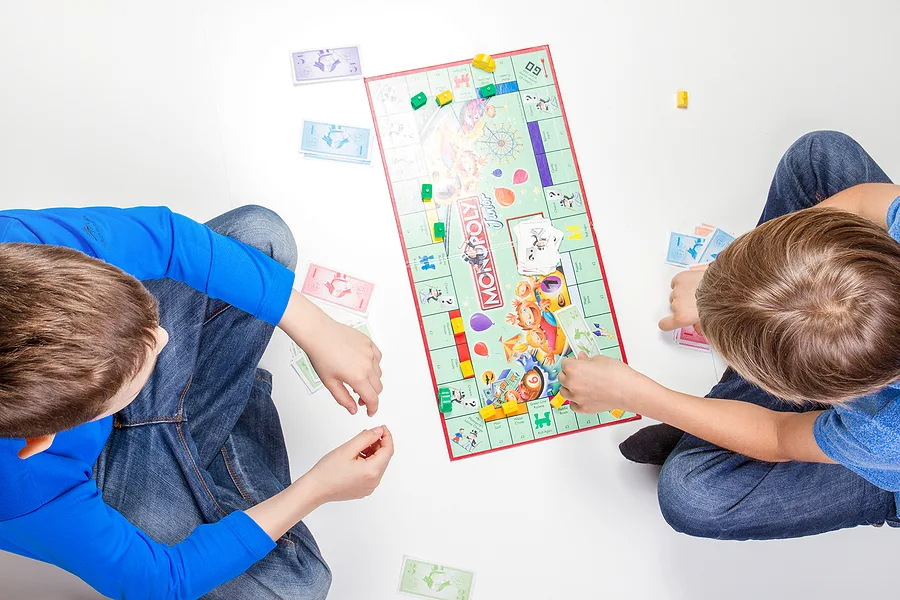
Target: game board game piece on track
(418,101)
(427,191)
(439,230)
(488,411)
(484,62)
(487,91)
(444,98)
(467,371)
(457,324)
(506,187)
(558,401)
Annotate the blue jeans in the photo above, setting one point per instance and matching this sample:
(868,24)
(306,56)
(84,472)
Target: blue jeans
(203,438)
(707,491)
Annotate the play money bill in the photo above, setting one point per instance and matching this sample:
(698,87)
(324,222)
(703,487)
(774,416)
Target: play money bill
(337,288)
(424,579)
(336,142)
(326,64)
(684,249)
(717,241)
(580,336)
(303,367)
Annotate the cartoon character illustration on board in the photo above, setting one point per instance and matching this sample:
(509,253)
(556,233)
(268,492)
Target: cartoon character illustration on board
(431,294)
(567,201)
(473,253)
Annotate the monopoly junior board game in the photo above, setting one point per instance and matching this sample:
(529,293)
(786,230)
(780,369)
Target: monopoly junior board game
(500,168)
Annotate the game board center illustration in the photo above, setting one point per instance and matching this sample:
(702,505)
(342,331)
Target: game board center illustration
(499,242)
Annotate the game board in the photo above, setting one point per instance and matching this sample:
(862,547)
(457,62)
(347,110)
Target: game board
(492,163)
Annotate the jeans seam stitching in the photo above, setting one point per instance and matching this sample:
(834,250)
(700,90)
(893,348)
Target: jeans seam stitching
(218,312)
(233,475)
(145,421)
(197,469)
(188,451)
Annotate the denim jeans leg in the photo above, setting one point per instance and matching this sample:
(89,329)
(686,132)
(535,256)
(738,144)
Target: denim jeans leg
(707,491)
(160,468)
(817,166)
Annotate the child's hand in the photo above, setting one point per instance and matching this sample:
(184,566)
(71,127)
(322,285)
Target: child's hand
(599,384)
(683,301)
(342,355)
(344,474)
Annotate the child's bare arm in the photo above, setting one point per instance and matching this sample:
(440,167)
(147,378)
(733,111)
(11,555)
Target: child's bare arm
(598,384)
(869,200)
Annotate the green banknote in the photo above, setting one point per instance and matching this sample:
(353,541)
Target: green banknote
(429,580)
(577,331)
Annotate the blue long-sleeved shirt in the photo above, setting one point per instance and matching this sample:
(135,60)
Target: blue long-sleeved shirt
(863,435)
(50,508)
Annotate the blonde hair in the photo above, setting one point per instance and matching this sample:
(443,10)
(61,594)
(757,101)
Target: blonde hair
(807,306)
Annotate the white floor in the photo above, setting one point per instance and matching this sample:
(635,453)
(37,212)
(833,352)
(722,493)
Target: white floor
(189,103)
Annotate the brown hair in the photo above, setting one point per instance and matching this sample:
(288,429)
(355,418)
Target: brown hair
(807,306)
(73,331)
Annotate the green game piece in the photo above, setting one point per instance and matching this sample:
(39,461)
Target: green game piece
(418,101)
(426,191)
(446,405)
(439,230)
(486,91)
(444,394)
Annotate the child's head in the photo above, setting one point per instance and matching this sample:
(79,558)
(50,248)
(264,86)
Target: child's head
(78,339)
(807,306)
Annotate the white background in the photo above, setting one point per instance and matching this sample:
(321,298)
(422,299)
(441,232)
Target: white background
(190,104)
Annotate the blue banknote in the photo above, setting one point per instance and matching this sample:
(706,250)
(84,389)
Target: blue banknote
(718,240)
(684,249)
(327,64)
(336,142)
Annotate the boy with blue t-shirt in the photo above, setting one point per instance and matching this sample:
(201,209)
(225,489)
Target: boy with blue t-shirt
(802,434)
(139,445)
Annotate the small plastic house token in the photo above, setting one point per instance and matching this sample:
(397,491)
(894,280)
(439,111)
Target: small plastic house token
(466,368)
(682,99)
(557,401)
(510,408)
(487,91)
(617,413)
(426,191)
(445,406)
(444,394)
(444,98)
(488,411)
(484,62)
(418,101)
(439,230)
(457,324)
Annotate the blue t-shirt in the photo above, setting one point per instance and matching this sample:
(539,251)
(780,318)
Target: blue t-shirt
(50,508)
(865,435)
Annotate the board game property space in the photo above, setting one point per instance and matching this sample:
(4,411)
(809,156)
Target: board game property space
(493,163)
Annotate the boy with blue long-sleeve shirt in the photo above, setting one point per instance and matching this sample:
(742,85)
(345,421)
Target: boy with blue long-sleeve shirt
(140,447)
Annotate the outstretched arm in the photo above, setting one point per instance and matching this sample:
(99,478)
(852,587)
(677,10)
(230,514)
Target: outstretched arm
(738,426)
